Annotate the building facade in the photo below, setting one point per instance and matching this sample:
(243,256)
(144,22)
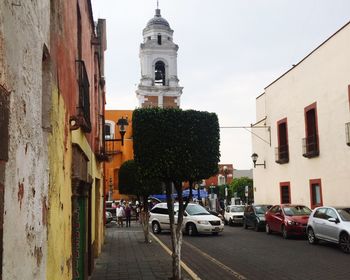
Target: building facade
(159,84)
(52,146)
(116,151)
(306,116)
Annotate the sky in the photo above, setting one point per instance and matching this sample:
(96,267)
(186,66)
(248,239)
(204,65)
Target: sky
(229,51)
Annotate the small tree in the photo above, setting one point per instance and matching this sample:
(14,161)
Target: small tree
(131,182)
(176,146)
(238,186)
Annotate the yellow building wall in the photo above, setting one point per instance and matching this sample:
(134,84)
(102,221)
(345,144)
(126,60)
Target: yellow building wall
(126,152)
(95,170)
(59,261)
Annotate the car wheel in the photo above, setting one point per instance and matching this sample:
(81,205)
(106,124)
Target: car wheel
(230,222)
(267,229)
(344,242)
(156,228)
(311,236)
(245,226)
(256,226)
(225,222)
(284,232)
(191,229)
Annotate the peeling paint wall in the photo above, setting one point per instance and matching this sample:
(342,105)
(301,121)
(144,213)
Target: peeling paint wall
(24,29)
(59,264)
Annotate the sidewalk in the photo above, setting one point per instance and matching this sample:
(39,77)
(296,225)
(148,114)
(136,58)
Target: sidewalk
(126,256)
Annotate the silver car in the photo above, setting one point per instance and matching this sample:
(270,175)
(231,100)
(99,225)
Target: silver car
(330,224)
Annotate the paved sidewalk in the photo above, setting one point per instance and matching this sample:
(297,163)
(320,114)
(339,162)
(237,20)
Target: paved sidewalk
(126,256)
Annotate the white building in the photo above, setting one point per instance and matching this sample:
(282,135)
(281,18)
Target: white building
(305,117)
(159,84)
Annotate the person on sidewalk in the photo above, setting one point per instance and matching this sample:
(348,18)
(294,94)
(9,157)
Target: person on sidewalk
(120,215)
(128,214)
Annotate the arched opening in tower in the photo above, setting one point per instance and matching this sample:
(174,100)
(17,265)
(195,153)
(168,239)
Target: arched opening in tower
(159,73)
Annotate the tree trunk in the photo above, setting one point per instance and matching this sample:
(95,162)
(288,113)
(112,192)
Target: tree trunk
(144,218)
(175,228)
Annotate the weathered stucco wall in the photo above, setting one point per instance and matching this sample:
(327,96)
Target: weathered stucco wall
(59,264)
(24,29)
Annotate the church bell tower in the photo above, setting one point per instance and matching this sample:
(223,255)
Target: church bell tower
(159,85)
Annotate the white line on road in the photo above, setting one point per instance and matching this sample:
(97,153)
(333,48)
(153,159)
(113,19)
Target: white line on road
(183,265)
(218,263)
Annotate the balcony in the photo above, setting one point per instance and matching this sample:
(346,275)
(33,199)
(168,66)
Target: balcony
(347,133)
(84,97)
(282,154)
(112,147)
(310,146)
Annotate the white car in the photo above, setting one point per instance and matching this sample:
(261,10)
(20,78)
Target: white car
(330,224)
(196,219)
(234,214)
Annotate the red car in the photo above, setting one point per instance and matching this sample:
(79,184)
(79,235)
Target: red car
(288,219)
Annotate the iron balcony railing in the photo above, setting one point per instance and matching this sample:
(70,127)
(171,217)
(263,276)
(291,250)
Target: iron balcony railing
(347,133)
(310,146)
(282,154)
(112,147)
(84,96)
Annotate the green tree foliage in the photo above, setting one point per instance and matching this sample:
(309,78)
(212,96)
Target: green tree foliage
(176,146)
(238,186)
(132,182)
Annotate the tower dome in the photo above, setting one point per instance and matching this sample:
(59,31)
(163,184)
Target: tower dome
(158,20)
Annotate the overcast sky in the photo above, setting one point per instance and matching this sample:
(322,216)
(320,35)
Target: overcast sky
(229,50)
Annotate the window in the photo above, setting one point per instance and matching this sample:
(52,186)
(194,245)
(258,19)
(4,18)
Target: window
(159,39)
(285,192)
(159,73)
(149,38)
(221,180)
(316,193)
(108,131)
(320,213)
(331,214)
(310,142)
(282,151)
(4,123)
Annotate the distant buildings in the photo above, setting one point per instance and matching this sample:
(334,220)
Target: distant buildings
(307,117)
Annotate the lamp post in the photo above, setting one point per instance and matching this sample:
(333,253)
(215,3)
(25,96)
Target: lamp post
(255,158)
(110,189)
(225,170)
(122,125)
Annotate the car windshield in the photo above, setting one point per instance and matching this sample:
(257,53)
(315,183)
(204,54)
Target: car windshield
(344,214)
(296,210)
(196,210)
(261,209)
(237,209)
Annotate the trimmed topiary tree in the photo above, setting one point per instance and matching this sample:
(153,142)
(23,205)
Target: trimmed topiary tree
(176,146)
(131,182)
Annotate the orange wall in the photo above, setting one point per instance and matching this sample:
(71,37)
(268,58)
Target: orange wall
(126,152)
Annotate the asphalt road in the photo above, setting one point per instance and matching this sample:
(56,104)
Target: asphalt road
(245,254)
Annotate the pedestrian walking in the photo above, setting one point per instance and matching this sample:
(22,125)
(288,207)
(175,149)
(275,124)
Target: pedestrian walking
(128,214)
(120,215)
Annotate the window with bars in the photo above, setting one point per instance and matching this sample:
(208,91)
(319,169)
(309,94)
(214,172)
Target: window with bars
(285,192)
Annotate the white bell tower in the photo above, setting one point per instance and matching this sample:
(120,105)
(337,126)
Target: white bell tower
(159,85)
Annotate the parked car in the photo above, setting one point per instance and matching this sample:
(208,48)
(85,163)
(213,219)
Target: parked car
(234,214)
(109,217)
(330,224)
(287,219)
(196,219)
(254,216)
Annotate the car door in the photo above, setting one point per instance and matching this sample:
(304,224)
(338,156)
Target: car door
(276,218)
(319,220)
(331,229)
(250,216)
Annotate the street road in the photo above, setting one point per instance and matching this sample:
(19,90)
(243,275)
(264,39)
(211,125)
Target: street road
(245,254)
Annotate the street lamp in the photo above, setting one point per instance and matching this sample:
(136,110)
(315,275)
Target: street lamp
(255,158)
(122,125)
(225,170)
